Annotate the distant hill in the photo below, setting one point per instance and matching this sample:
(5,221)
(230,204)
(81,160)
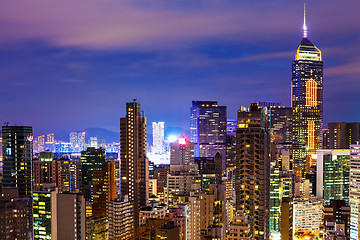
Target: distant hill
(100,133)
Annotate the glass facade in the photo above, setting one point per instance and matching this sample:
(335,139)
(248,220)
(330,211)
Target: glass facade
(307,104)
(208,129)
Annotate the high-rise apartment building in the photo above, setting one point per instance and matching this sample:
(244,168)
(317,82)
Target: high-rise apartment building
(120,218)
(181,152)
(253,169)
(134,164)
(208,129)
(17,158)
(332,179)
(354,198)
(158,137)
(307,104)
(307,217)
(341,135)
(70,216)
(15,215)
(45,170)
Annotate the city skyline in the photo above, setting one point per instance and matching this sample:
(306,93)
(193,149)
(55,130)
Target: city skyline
(203,52)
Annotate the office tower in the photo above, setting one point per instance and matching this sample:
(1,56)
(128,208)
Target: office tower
(70,216)
(158,137)
(103,189)
(354,198)
(17,158)
(280,124)
(77,140)
(69,179)
(45,212)
(239,227)
(307,216)
(181,152)
(91,160)
(120,218)
(307,104)
(253,169)
(15,214)
(208,129)
(134,164)
(45,170)
(341,135)
(332,177)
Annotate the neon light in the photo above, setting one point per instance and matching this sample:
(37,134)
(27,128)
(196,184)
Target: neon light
(182,141)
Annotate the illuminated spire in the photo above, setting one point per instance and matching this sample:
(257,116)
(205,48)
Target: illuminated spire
(304,27)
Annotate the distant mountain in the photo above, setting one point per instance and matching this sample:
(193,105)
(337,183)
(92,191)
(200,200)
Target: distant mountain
(100,133)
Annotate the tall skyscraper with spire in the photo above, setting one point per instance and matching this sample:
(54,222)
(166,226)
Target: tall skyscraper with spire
(307,104)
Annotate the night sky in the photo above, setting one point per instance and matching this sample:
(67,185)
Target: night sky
(68,65)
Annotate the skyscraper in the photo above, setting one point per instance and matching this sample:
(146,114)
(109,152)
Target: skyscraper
(354,198)
(181,152)
(134,164)
(307,104)
(17,158)
(253,169)
(208,129)
(158,137)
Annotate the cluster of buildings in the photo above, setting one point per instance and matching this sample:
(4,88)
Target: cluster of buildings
(274,172)
(77,144)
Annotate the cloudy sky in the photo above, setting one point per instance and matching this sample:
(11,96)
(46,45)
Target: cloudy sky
(68,65)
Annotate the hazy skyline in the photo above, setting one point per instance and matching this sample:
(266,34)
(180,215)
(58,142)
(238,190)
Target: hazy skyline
(71,65)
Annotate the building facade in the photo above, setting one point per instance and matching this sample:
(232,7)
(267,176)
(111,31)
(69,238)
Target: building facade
(354,198)
(332,175)
(208,129)
(253,169)
(134,164)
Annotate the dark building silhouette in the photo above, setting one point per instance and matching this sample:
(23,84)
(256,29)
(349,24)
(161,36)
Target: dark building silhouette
(91,160)
(17,150)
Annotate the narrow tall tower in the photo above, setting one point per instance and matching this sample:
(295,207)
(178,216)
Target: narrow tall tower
(134,164)
(307,104)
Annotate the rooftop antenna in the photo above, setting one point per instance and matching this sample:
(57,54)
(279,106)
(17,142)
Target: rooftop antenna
(304,26)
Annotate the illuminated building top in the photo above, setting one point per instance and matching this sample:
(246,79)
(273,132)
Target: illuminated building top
(307,50)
